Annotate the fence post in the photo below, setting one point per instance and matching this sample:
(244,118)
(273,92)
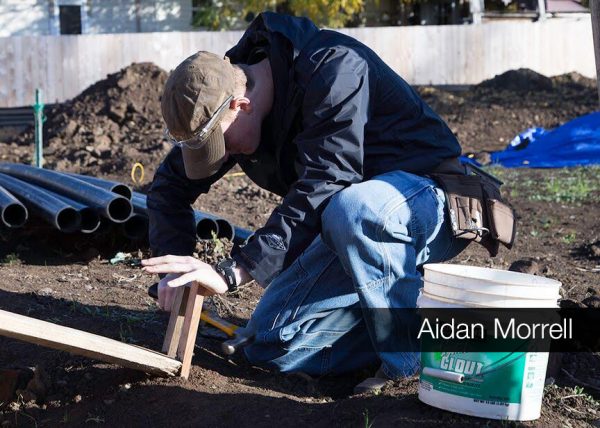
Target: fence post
(595,8)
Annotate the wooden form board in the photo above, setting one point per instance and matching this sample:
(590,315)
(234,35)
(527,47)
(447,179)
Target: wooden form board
(87,344)
(183,326)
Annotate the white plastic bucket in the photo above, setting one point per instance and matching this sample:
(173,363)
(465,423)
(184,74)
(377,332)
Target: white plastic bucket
(496,385)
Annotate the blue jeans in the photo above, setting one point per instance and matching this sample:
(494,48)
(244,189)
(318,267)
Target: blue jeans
(317,316)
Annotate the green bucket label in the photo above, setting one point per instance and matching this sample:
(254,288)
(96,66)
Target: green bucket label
(489,377)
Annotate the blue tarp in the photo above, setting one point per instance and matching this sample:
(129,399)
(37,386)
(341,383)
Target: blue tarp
(575,143)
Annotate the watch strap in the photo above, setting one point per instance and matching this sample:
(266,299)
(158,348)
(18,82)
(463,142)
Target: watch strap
(225,268)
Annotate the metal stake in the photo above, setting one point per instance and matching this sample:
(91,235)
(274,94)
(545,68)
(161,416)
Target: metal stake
(38,114)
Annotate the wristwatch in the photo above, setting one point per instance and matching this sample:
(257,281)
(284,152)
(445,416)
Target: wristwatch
(225,268)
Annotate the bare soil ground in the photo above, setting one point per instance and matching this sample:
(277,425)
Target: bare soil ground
(67,278)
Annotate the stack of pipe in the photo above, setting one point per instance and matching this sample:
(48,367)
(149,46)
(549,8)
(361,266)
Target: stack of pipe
(72,202)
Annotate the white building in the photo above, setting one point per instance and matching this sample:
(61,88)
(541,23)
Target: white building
(54,17)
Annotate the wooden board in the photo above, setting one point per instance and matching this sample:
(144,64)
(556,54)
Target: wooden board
(189,330)
(87,344)
(176,319)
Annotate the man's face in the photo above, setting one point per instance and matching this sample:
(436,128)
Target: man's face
(242,133)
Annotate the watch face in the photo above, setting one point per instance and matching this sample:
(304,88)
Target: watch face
(227,263)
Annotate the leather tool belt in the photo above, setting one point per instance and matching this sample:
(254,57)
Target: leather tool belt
(475,206)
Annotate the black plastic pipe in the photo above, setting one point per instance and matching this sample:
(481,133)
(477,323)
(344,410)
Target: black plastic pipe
(114,207)
(12,212)
(205,226)
(242,235)
(205,223)
(112,186)
(56,212)
(225,229)
(138,201)
(136,227)
(90,220)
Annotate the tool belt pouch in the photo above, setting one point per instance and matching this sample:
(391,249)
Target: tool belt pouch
(502,220)
(477,211)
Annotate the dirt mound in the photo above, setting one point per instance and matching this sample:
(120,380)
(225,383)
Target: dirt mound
(521,80)
(574,80)
(107,128)
(487,116)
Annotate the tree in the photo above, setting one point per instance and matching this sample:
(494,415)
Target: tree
(234,14)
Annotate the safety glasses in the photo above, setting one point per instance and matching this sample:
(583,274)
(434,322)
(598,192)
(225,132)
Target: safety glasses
(196,141)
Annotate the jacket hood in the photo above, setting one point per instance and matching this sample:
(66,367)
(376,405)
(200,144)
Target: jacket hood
(268,29)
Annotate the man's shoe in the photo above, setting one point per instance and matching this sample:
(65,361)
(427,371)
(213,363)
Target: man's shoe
(372,384)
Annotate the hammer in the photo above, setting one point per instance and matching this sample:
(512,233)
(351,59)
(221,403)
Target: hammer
(239,336)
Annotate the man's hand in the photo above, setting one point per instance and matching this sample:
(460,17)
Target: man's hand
(166,294)
(185,269)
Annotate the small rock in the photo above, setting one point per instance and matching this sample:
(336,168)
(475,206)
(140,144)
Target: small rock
(69,129)
(125,387)
(54,403)
(47,291)
(77,398)
(117,112)
(102,146)
(525,266)
(109,401)
(26,395)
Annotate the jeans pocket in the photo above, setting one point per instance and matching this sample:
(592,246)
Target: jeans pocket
(427,212)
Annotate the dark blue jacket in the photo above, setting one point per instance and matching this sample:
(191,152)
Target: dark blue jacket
(340,116)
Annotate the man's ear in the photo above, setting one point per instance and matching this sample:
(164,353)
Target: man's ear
(242,103)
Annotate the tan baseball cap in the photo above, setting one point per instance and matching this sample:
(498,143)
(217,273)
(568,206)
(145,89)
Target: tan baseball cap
(195,98)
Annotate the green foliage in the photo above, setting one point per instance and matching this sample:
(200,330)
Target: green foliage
(566,189)
(218,14)
(11,259)
(235,14)
(218,246)
(367,423)
(569,238)
(565,185)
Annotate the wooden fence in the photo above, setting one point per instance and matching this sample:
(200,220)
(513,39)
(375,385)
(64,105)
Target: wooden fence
(63,66)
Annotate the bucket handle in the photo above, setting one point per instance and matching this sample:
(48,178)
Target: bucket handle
(444,374)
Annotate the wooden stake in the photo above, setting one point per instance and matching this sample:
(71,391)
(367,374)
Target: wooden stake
(173,334)
(193,310)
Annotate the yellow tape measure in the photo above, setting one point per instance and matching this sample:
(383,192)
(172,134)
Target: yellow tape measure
(234,174)
(137,178)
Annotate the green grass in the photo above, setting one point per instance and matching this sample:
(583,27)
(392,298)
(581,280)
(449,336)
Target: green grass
(569,238)
(566,189)
(10,259)
(562,185)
